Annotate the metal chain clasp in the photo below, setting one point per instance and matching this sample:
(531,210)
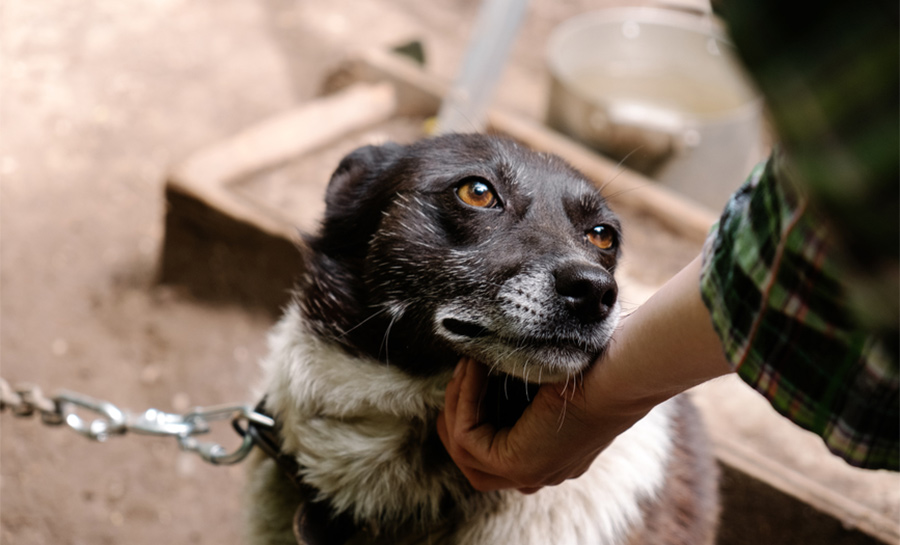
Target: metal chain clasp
(214,453)
(111,420)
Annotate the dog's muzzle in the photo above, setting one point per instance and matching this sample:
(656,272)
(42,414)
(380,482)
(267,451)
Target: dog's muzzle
(542,324)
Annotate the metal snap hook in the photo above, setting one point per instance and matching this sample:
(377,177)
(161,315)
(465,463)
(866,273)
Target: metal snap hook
(112,421)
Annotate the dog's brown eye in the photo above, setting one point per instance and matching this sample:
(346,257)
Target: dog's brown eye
(476,192)
(602,237)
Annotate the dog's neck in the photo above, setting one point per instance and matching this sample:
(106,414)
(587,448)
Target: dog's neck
(360,429)
(364,434)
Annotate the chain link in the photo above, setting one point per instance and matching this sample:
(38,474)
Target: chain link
(27,399)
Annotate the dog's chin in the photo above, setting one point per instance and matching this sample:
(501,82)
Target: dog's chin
(505,399)
(510,390)
(539,363)
(529,359)
(519,364)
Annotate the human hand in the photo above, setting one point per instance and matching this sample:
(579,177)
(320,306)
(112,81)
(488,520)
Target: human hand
(557,437)
(660,350)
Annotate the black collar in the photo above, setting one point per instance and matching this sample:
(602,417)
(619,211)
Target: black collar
(315,522)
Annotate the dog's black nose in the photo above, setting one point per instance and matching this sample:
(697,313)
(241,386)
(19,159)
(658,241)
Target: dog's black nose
(589,290)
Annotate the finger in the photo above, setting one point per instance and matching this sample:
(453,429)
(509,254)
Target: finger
(451,396)
(442,431)
(472,388)
(451,433)
(469,465)
(531,490)
(467,440)
(479,440)
(477,448)
(460,456)
(487,482)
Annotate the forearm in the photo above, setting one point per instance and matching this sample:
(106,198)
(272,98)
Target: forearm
(665,347)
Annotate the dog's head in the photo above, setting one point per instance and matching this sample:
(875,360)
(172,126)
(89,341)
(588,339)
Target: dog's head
(464,245)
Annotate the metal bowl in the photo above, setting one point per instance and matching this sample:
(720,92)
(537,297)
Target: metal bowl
(660,90)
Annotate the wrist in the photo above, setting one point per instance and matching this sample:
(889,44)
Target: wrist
(666,346)
(621,383)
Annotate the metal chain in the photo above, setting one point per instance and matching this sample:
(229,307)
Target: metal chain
(27,399)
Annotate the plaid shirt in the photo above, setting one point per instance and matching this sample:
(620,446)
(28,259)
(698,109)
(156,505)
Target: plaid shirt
(801,272)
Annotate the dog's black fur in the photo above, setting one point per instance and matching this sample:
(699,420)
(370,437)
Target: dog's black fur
(395,230)
(403,278)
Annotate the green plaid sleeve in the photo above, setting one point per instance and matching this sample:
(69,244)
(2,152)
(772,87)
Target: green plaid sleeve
(806,297)
(831,80)
(770,283)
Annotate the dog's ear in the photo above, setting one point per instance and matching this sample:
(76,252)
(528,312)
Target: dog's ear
(357,193)
(356,172)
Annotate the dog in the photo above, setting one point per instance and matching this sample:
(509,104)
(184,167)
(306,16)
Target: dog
(458,245)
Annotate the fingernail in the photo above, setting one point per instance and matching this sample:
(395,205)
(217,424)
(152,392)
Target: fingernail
(458,368)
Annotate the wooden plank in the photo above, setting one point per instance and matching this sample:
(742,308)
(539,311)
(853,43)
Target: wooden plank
(222,246)
(423,94)
(206,174)
(637,192)
(850,513)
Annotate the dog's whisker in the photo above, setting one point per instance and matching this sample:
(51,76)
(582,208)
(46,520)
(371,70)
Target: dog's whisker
(527,395)
(620,168)
(580,374)
(562,415)
(612,196)
(464,121)
(371,316)
(571,396)
(385,341)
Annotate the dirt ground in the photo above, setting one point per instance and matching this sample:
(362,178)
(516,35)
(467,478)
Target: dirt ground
(98,99)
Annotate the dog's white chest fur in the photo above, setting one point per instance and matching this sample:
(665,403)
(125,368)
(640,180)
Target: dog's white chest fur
(357,428)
